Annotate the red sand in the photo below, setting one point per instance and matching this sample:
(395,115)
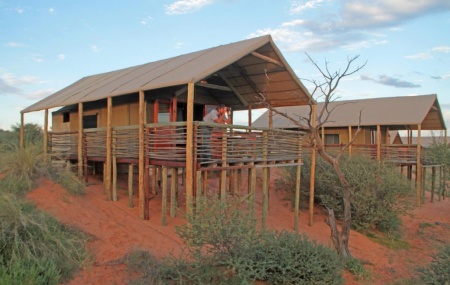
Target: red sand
(116,229)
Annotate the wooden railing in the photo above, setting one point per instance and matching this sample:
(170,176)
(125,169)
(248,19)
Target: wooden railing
(213,143)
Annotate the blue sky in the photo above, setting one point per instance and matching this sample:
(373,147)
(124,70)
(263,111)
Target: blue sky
(47,45)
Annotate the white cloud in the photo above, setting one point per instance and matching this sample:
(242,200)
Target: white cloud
(420,56)
(298,6)
(442,49)
(293,23)
(37,58)
(95,48)
(145,21)
(61,56)
(20,10)
(11,79)
(14,45)
(179,45)
(39,94)
(51,10)
(186,6)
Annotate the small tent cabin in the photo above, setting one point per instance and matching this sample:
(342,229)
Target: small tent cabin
(377,118)
(151,116)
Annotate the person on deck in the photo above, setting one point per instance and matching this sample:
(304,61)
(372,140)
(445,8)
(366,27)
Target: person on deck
(219,115)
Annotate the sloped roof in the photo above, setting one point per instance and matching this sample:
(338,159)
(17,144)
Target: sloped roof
(399,113)
(244,67)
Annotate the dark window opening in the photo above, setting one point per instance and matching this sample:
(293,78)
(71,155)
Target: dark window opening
(90,122)
(66,117)
(331,138)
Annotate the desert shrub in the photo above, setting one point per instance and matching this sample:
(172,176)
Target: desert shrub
(355,267)
(33,240)
(438,271)
(68,180)
(224,246)
(21,168)
(379,194)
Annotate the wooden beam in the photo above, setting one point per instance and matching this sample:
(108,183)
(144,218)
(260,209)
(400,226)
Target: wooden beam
(189,149)
(180,91)
(143,201)
(108,148)
(379,143)
(419,165)
(230,85)
(45,145)
(80,140)
(266,58)
(350,147)
(312,169)
(214,86)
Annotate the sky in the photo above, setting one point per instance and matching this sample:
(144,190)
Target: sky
(47,45)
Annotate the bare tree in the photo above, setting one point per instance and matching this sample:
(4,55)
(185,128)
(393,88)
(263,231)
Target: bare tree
(325,90)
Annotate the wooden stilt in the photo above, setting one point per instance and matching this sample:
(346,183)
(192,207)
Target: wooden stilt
(164,197)
(114,178)
(80,140)
(173,192)
(199,185)
(424,178)
(130,186)
(143,198)
(223,174)
(45,142)
(433,181)
(419,164)
(297,197)
(154,180)
(104,178)
(189,147)
(265,186)
(108,149)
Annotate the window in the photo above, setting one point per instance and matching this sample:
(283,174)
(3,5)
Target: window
(66,117)
(331,138)
(90,121)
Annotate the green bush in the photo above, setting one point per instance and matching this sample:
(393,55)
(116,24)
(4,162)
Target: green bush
(379,194)
(33,240)
(22,168)
(67,179)
(224,246)
(438,271)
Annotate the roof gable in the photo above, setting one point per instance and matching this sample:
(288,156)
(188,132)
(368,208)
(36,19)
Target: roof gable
(396,112)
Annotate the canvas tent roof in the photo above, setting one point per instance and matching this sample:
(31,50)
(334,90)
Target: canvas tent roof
(399,113)
(243,67)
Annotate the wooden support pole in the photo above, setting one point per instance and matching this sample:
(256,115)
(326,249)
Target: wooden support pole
(253,183)
(130,186)
(379,143)
(312,177)
(164,197)
(323,138)
(265,186)
(104,177)
(114,178)
(350,147)
(173,192)
(239,181)
(154,180)
(433,181)
(223,173)
(424,178)
(146,164)
(80,140)
(249,116)
(108,149)
(199,185)
(441,184)
(143,198)
(21,133)
(297,197)
(45,143)
(189,149)
(419,165)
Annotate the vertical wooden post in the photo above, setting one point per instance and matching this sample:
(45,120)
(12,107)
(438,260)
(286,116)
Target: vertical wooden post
(312,176)
(252,184)
(433,181)
(419,164)
(130,186)
(173,192)
(143,199)
(378,143)
(108,148)
(223,173)
(189,149)
(297,187)
(265,187)
(21,133)
(80,140)
(424,178)
(114,173)
(249,116)
(323,138)
(199,185)
(350,147)
(164,196)
(45,144)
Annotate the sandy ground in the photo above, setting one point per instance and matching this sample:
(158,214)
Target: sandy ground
(116,229)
